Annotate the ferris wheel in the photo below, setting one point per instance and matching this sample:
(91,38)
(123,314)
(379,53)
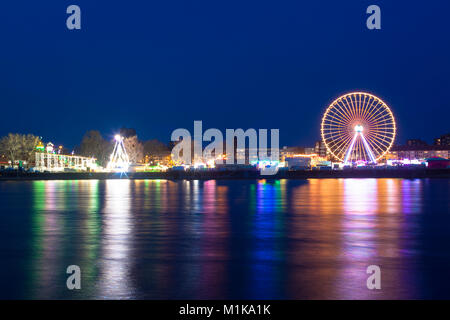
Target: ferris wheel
(358,126)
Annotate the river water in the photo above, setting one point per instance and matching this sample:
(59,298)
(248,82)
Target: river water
(240,239)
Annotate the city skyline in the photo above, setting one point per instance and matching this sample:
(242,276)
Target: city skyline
(253,66)
(111,138)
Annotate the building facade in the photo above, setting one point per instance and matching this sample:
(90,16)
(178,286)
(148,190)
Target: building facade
(420,152)
(443,140)
(53,162)
(320,149)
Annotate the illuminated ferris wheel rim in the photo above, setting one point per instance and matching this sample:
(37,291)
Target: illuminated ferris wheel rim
(381,143)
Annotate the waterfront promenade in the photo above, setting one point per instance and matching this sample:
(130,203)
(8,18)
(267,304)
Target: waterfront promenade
(405,173)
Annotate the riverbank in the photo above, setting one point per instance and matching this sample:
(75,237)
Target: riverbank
(218,175)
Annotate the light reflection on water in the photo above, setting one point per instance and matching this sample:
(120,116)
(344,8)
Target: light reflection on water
(262,239)
(115,278)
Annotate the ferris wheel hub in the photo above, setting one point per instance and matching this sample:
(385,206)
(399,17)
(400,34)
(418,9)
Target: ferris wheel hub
(358,128)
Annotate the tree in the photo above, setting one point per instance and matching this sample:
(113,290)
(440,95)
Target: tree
(94,145)
(156,148)
(134,149)
(10,146)
(155,151)
(17,146)
(28,147)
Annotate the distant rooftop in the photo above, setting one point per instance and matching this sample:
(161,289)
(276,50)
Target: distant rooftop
(420,148)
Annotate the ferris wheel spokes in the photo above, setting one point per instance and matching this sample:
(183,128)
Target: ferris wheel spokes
(350,149)
(342,128)
(365,146)
(369,151)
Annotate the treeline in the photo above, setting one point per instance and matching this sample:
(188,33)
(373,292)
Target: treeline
(95,145)
(22,147)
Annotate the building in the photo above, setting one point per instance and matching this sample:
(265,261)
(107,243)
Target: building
(416,143)
(443,140)
(53,162)
(290,152)
(320,149)
(298,163)
(438,163)
(49,159)
(412,152)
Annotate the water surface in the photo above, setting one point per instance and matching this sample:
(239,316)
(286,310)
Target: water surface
(262,239)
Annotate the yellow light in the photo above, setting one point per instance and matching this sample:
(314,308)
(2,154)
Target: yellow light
(305,155)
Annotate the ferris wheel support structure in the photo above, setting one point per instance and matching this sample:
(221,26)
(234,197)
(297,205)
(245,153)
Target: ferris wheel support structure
(366,147)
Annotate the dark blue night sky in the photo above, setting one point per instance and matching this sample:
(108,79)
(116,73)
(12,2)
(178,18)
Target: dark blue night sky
(159,65)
